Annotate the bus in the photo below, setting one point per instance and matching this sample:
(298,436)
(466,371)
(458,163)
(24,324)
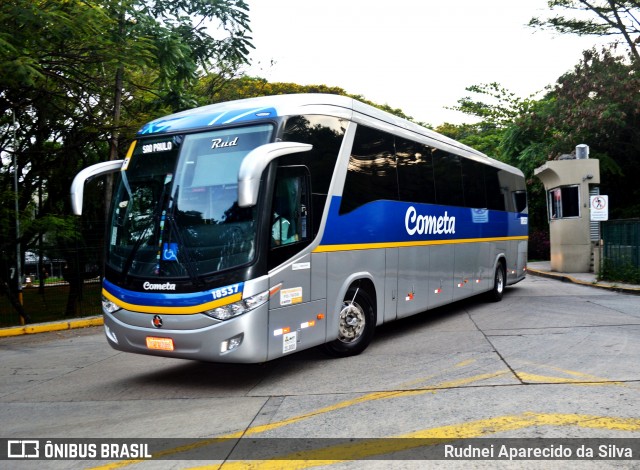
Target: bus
(248,230)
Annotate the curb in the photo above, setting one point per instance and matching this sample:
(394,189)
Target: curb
(51,326)
(566,278)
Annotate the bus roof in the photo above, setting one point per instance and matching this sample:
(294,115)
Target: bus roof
(270,107)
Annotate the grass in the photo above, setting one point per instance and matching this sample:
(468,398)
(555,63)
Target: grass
(625,272)
(52,305)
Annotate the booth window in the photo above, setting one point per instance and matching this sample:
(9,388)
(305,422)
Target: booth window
(564,202)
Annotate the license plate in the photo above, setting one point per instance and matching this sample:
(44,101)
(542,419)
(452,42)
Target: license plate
(162,344)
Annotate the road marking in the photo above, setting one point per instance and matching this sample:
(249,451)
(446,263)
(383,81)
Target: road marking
(474,429)
(534,378)
(582,378)
(343,404)
(457,431)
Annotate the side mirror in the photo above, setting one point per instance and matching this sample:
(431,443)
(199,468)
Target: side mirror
(255,163)
(77,186)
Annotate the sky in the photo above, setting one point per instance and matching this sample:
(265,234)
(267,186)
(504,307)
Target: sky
(415,55)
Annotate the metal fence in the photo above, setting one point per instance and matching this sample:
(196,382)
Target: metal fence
(621,240)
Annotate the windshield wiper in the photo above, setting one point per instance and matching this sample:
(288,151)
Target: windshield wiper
(184,251)
(155,216)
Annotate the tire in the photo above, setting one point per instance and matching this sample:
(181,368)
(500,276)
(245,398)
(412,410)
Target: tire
(356,324)
(499,283)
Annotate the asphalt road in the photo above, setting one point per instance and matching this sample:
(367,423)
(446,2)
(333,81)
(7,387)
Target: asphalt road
(552,360)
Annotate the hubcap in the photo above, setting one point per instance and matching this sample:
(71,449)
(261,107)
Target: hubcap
(352,322)
(499,280)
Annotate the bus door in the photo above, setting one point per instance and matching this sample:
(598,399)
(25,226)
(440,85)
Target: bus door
(294,311)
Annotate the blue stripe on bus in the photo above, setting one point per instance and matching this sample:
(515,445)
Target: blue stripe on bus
(400,222)
(204,117)
(162,299)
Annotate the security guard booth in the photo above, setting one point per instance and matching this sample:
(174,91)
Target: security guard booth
(569,182)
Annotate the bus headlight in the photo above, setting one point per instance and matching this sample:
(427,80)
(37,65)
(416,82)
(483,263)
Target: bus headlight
(109,306)
(238,308)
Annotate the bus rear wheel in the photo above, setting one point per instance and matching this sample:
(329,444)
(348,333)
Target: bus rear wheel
(356,323)
(499,283)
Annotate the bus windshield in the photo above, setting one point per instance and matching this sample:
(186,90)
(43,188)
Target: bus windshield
(175,212)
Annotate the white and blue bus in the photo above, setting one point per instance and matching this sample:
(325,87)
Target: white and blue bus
(248,230)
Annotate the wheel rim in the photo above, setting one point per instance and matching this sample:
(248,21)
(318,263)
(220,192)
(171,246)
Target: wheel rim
(499,281)
(351,322)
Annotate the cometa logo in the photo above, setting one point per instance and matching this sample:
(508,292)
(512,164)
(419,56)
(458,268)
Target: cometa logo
(428,224)
(166,286)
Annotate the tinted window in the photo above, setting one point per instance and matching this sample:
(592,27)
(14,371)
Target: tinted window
(448,177)
(473,181)
(495,194)
(519,194)
(371,175)
(415,172)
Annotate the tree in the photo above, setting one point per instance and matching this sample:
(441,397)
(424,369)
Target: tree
(483,138)
(77,75)
(50,63)
(214,88)
(494,109)
(176,46)
(598,18)
(598,104)
(502,107)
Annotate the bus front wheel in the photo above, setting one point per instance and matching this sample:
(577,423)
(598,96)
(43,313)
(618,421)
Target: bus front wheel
(356,323)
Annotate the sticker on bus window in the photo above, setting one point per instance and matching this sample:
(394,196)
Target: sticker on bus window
(170,252)
(289,342)
(291,296)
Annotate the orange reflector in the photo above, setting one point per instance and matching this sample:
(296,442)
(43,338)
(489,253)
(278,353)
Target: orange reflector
(320,316)
(286,329)
(275,289)
(162,344)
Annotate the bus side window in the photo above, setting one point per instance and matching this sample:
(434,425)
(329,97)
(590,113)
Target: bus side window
(371,175)
(290,206)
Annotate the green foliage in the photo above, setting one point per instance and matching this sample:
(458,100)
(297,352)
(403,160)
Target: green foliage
(627,272)
(502,108)
(494,108)
(214,88)
(76,75)
(598,104)
(50,304)
(484,138)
